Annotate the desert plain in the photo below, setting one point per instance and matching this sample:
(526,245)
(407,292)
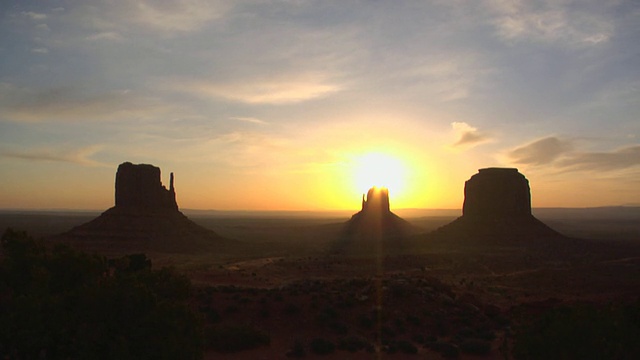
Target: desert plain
(292,289)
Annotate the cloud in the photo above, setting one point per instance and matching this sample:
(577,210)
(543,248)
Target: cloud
(71,104)
(250,120)
(257,91)
(34,16)
(169,17)
(468,136)
(250,151)
(40,50)
(540,152)
(552,21)
(619,159)
(176,15)
(105,35)
(451,77)
(80,156)
(559,154)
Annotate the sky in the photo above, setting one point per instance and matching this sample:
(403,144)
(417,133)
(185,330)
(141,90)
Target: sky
(303,105)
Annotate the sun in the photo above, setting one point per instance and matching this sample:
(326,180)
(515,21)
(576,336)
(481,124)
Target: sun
(378,169)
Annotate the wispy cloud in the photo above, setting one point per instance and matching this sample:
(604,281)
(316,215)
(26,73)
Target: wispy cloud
(467,135)
(276,91)
(40,50)
(541,151)
(251,120)
(250,151)
(169,17)
(71,104)
(105,35)
(34,15)
(451,77)
(552,21)
(618,159)
(560,154)
(81,156)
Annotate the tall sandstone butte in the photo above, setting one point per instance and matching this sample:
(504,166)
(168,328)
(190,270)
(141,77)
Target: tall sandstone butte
(497,208)
(139,186)
(145,218)
(375,220)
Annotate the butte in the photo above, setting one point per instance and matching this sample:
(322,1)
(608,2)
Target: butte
(145,218)
(496,209)
(374,226)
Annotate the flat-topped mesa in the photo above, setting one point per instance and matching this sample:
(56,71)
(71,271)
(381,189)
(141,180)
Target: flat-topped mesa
(377,200)
(496,210)
(497,193)
(139,187)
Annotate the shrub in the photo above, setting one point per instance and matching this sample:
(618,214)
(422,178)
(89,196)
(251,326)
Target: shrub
(446,349)
(339,328)
(322,346)
(211,315)
(233,338)
(406,347)
(366,322)
(414,320)
(297,350)
(67,304)
(352,344)
(476,346)
(291,309)
(326,315)
(582,332)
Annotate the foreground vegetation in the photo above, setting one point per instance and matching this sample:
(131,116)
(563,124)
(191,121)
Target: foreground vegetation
(61,304)
(56,302)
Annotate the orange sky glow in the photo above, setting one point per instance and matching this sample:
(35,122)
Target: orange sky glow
(304,105)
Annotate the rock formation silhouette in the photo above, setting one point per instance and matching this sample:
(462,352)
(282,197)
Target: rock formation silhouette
(497,193)
(497,207)
(375,220)
(145,218)
(139,187)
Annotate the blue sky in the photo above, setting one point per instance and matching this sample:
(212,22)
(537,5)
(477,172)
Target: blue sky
(273,104)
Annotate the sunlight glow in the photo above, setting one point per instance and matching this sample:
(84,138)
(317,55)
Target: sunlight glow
(378,169)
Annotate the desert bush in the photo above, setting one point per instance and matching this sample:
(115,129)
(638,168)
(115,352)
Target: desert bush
(399,326)
(338,327)
(581,332)
(486,334)
(233,338)
(419,338)
(321,346)
(297,350)
(413,320)
(326,315)
(352,344)
(445,349)
(464,333)
(291,309)
(232,309)
(387,333)
(406,347)
(61,303)
(475,346)
(366,321)
(211,315)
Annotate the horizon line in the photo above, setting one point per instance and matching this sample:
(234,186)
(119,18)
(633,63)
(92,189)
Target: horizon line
(5,210)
